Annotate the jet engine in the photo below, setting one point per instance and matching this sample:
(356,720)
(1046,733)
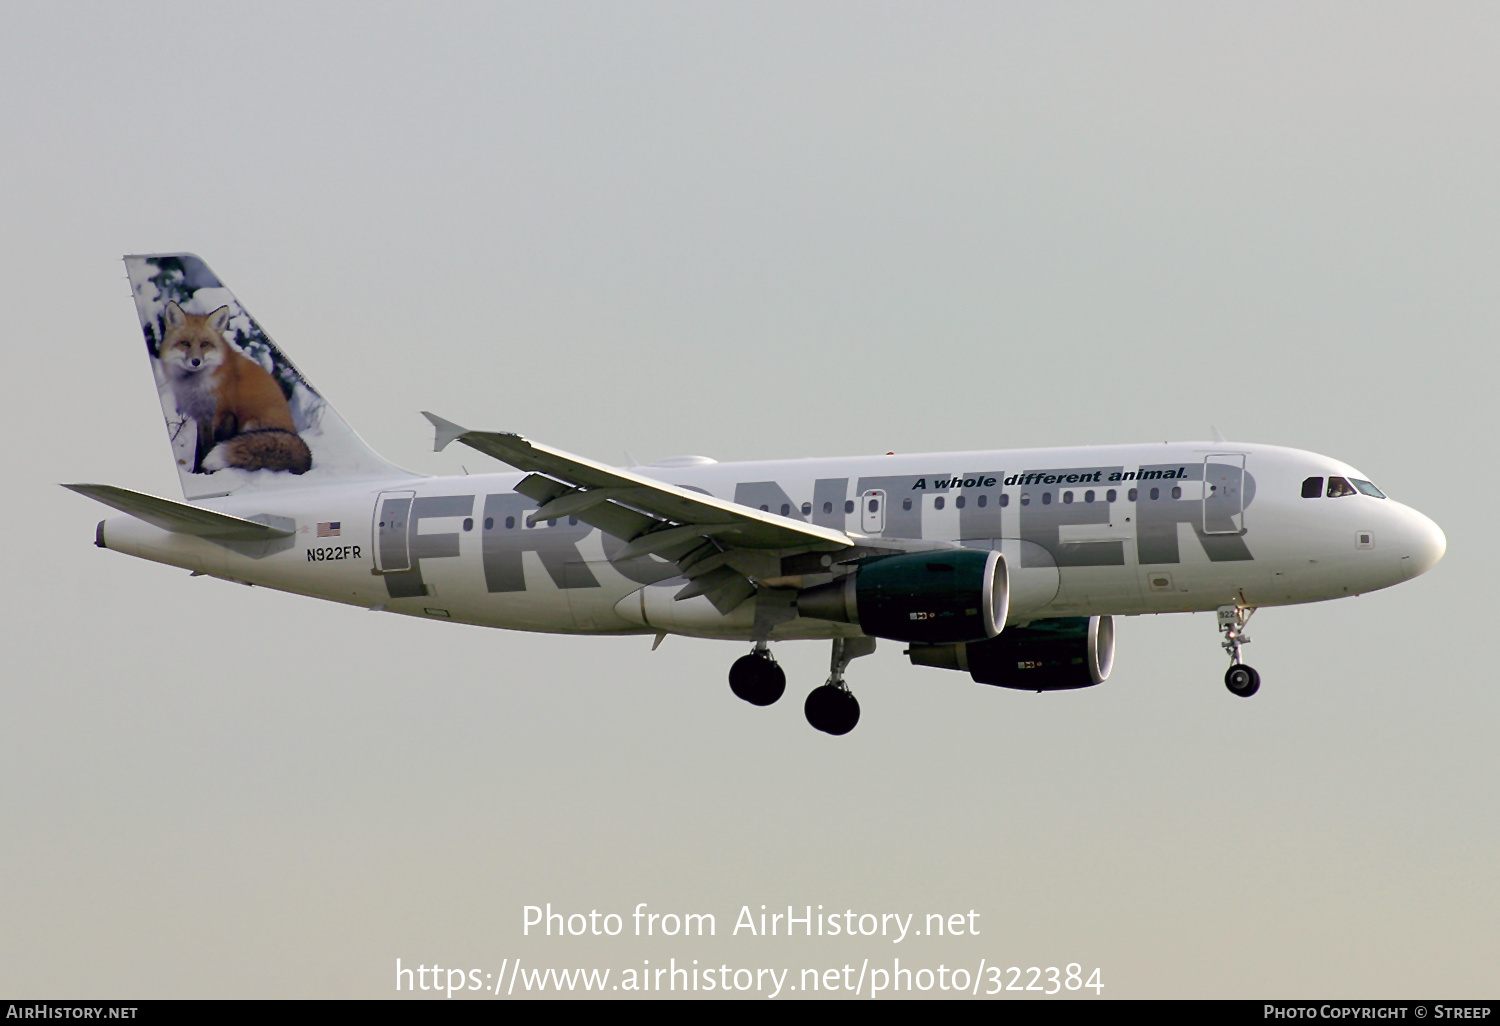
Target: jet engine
(950,595)
(1045,655)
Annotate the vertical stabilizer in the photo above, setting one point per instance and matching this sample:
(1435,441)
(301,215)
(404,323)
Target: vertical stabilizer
(239,415)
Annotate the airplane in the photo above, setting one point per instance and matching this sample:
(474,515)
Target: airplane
(1006,564)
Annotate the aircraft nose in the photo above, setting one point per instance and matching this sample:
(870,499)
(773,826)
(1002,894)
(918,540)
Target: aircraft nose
(1425,544)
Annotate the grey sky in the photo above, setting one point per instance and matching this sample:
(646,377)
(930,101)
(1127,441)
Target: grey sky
(752,231)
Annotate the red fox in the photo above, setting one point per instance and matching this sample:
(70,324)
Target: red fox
(242,416)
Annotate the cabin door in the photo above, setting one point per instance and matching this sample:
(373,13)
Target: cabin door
(392,515)
(1224,493)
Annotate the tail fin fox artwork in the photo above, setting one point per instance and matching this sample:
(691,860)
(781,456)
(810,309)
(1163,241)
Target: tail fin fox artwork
(242,416)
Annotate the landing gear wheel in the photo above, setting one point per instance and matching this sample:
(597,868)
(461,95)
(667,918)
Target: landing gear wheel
(831,709)
(1242,680)
(757,679)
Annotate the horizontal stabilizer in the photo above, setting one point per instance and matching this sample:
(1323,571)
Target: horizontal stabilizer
(179,516)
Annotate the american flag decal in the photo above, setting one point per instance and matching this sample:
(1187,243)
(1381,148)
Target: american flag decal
(330,529)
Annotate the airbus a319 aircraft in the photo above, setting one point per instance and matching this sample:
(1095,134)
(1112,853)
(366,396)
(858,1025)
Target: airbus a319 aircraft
(1005,564)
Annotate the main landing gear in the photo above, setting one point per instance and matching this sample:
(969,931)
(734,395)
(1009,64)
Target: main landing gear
(831,708)
(756,677)
(1240,679)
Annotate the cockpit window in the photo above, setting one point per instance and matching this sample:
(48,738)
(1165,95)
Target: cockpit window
(1367,488)
(1338,487)
(1312,488)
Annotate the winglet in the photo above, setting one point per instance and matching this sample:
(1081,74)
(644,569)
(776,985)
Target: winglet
(447,431)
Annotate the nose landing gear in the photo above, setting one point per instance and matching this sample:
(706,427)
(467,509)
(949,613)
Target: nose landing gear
(756,677)
(1240,679)
(832,708)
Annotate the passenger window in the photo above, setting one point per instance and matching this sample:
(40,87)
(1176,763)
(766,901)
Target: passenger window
(1338,487)
(1155,494)
(1131,494)
(1046,498)
(984,500)
(807,509)
(1109,496)
(765,509)
(1067,498)
(1005,498)
(906,504)
(1176,492)
(1088,496)
(937,503)
(848,505)
(1026,498)
(489,523)
(786,509)
(1312,488)
(510,522)
(572,521)
(959,502)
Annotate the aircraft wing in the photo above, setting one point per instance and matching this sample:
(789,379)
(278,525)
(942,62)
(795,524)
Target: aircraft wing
(720,546)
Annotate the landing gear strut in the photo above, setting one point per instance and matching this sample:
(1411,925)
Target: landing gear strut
(756,677)
(833,708)
(1240,679)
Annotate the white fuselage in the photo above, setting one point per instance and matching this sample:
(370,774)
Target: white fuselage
(1096,530)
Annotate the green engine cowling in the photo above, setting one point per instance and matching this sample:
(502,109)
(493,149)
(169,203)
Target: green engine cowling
(1045,655)
(951,595)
